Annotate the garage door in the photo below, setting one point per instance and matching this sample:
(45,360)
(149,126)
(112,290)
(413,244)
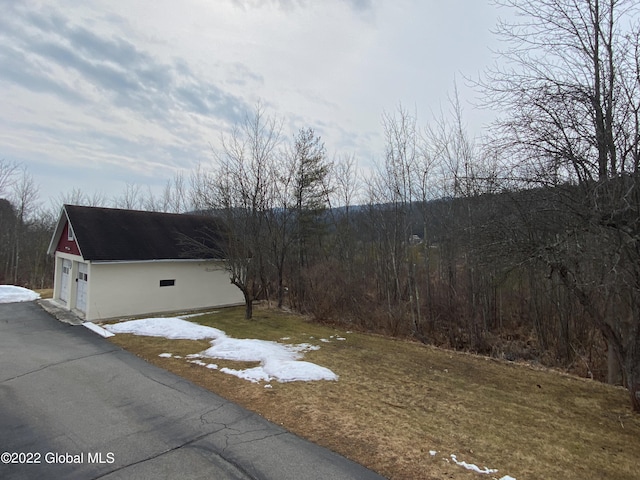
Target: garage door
(83,277)
(64,280)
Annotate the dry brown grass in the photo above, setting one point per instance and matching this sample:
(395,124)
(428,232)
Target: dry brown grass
(45,292)
(396,400)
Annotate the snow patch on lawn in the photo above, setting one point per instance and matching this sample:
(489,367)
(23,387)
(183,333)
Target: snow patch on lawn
(471,466)
(277,361)
(171,328)
(11,294)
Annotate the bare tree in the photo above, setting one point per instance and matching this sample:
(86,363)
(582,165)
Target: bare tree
(131,197)
(572,95)
(25,199)
(280,219)
(346,189)
(239,189)
(77,196)
(393,192)
(174,197)
(346,182)
(8,171)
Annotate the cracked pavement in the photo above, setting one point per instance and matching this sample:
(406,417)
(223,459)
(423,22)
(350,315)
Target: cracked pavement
(65,390)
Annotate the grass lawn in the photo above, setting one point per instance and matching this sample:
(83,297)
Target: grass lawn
(397,400)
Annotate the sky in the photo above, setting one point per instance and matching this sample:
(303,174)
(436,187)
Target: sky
(95,95)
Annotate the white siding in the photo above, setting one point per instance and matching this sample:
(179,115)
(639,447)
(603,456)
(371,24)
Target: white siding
(65,282)
(123,289)
(82,287)
(70,286)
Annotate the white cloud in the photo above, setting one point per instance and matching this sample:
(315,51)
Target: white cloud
(141,88)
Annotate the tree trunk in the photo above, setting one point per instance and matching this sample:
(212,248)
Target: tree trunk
(280,269)
(633,381)
(280,291)
(248,301)
(248,307)
(614,371)
(632,362)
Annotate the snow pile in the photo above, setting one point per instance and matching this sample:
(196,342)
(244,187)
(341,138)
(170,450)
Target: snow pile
(471,466)
(11,293)
(171,328)
(277,361)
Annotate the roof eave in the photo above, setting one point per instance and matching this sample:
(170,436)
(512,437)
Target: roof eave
(57,233)
(163,260)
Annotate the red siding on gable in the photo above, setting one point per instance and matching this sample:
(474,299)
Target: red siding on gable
(65,245)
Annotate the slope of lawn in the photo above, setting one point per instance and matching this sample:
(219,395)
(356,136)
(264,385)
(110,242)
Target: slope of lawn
(402,408)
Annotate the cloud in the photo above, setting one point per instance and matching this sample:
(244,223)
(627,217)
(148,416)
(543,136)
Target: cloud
(44,52)
(357,5)
(239,74)
(18,69)
(361,5)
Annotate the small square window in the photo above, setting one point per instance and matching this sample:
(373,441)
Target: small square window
(167,283)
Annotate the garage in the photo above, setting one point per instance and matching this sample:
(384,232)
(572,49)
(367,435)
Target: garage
(113,262)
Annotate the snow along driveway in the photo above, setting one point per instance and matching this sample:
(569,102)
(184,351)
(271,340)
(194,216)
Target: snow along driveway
(11,294)
(278,361)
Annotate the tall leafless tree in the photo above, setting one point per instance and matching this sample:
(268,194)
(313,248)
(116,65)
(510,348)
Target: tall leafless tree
(571,90)
(8,172)
(240,189)
(25,198)
(393,191)
(131,197)
(174,197)
(77,196)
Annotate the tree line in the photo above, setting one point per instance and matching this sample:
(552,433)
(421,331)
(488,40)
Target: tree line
(524,244)
(537,231)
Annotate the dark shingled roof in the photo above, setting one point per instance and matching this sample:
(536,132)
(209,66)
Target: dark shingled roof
(111,234)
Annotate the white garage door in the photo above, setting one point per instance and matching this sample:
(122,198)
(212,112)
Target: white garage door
(64,280)
(83,277)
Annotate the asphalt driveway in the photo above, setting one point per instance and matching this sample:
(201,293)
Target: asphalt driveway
(74,406)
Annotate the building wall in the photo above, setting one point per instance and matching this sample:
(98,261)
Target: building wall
(125,289)
(65,245)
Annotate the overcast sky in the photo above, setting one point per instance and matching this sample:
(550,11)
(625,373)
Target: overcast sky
(96,94)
